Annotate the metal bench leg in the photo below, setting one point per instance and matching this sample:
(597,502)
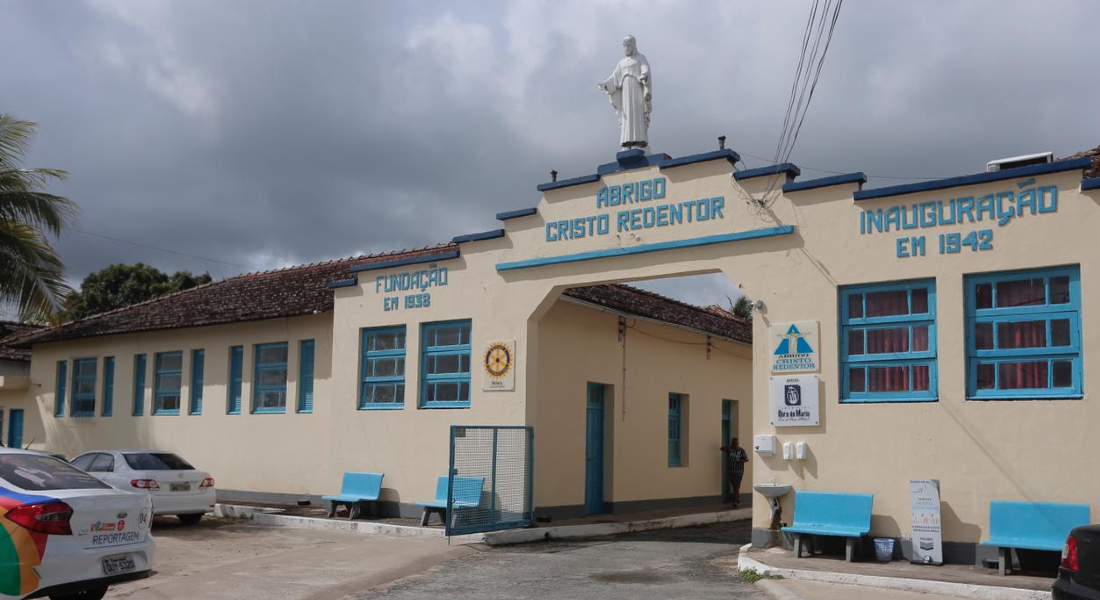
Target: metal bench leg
(331,510)
(798,545)
(849,549)
(1003,556)
(424,518)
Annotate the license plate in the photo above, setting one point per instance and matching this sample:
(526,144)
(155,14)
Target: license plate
(118,564)
(180,487)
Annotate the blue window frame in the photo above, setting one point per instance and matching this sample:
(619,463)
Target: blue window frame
(83,395)
(108,386)
(445,365)
(888,342)
(59,395)
(1023,334)
(675,430)
(382,368)
(236,375)
(306,350)
(167,383)
(139,385)
(269,382)
(198,366)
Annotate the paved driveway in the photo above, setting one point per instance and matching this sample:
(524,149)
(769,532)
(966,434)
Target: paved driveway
(659,565)
(232,560)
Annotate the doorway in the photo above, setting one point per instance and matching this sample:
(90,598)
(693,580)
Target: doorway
(593,450)
(15,428)
(729,428)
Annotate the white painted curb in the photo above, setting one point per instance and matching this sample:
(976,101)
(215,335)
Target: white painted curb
(496,538)
(240,511)
(923,586)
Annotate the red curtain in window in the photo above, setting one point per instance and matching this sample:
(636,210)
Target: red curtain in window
(888,379)
(1022,375)
(1026,292)
(880,341)
(882,304)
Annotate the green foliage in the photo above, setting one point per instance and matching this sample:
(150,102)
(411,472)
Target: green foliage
(741,308)
(33,277)
(752,576)
(123,285)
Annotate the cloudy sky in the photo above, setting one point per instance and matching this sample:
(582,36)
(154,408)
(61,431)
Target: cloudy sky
(263,133)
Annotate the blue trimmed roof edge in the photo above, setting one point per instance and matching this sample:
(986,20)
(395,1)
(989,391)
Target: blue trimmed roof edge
(412,260)
(725,153)
(554,185)
(809,184)
(950,182)
(515,214)
(790,169)
(342,283)
(1090,184)
(477,237)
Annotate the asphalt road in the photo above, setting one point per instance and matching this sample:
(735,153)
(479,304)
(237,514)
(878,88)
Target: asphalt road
(662,565)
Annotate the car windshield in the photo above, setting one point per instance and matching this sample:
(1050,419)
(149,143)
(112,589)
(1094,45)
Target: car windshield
(38,473)
(157,461)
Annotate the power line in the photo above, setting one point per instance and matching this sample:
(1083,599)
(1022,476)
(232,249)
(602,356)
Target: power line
(140,245)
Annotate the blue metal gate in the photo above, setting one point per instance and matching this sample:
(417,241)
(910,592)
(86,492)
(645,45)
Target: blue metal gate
(491,478)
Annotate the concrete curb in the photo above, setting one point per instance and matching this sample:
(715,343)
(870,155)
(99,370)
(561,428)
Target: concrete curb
(923,586)
(776,590)
(270,517)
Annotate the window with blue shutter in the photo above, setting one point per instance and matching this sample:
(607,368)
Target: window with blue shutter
(382,368)
(59,395)
(236,368)
(168,383)
(269,379)
(139,385)
(445,365)
(1023,334)
(675,430)
(108,386)
(305,376)
(83,395)
(198,359)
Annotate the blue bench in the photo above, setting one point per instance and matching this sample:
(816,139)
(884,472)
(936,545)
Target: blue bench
(1031,526)
(356,489)
(467,494)
(831,513)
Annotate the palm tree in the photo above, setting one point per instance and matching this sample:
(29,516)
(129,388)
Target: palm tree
(32,278)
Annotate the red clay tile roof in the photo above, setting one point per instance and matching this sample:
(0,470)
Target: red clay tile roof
(276,294)
(11,329)
(1094,170)
(302,290)
(647,304)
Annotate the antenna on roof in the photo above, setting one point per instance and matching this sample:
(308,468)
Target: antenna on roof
(553,175)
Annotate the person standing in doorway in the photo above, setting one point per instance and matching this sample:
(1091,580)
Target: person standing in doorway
(735,462)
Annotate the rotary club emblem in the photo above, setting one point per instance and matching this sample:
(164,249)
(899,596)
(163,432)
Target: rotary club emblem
(498,360)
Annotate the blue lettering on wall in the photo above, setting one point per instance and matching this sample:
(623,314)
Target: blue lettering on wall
(999,208)
(415,281)
(638,217)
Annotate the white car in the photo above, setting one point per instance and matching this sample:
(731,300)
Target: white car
(174,486)
(66,534)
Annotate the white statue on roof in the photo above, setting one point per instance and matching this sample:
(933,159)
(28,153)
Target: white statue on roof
(631,96)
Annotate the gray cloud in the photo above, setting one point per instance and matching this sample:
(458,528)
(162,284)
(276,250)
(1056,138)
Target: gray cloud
(265,133)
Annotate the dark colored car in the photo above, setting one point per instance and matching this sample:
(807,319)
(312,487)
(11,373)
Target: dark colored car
(1079,575)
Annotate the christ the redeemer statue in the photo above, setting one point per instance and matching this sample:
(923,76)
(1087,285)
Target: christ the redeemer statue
(628,87)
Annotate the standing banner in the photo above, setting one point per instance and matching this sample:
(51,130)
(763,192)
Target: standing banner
(499,362)
(924,504)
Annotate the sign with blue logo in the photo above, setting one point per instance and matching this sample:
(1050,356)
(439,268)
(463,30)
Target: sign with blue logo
(794,401)
(794,347)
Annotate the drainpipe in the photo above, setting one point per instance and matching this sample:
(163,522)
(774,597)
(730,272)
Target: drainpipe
(622,338)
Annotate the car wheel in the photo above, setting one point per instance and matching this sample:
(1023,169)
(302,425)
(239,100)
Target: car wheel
(92,594)
(190,519)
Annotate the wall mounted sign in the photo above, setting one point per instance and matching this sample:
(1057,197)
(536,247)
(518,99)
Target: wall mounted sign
(924,516)
(499,362)
(393,287)
(794,347)
(993,210)
(793,401)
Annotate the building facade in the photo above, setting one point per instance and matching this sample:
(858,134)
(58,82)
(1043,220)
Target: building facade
(950,320)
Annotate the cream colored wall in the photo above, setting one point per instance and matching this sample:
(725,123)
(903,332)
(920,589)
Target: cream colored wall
(580,345)
(254,452)
(1024,450)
